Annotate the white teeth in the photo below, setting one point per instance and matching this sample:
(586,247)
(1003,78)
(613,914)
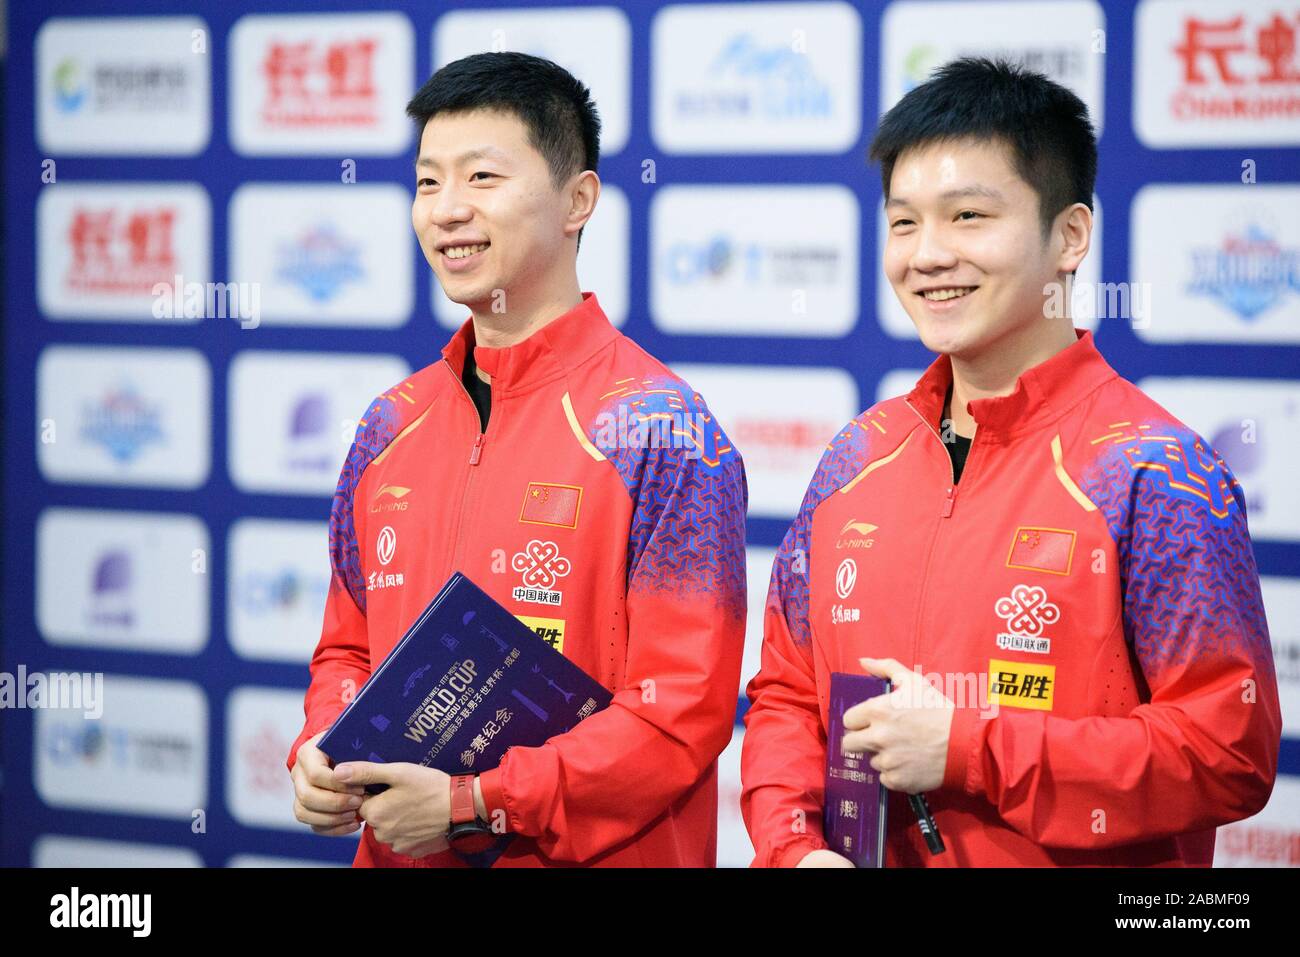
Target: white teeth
(939,295)
(460,252)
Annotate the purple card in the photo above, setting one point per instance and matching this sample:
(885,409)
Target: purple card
(853,819)
(467,681)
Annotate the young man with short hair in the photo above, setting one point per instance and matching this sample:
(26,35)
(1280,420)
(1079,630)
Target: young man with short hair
(1071,573)
(571,476)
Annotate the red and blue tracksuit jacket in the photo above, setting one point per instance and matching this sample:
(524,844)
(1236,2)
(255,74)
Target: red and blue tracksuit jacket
(1088,597)
(605,507)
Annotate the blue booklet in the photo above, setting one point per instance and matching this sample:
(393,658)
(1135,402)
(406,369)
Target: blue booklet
(853,818)
(467,681)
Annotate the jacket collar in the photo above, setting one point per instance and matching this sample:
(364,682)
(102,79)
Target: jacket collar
(1041,395)
(561,345)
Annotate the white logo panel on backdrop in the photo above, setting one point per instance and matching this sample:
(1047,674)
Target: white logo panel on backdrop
(261,726)
(325,255)
(1222,262)
(278,577)
(147,754)
(293,415)
(1213,73)
(124,416)
(331,84)
(123,580)
(781,418)
(119,86)
(754,260)
(756,78)
(123,251)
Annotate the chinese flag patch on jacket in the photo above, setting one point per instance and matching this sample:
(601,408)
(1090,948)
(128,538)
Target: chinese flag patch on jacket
(546,504)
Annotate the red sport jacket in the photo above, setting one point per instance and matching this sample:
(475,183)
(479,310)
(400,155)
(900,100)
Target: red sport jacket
(606,508)
(1086,595)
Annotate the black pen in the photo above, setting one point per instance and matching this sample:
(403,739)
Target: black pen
(929,829)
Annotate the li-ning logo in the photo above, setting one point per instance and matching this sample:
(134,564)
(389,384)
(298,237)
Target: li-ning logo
(386,544)
(855,535)
(397,492)
(1027,610)
(846,576)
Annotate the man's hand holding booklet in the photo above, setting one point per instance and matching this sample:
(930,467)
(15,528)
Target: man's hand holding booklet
(467,681)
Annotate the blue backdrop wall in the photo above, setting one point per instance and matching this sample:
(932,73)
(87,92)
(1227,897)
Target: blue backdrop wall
(169,465)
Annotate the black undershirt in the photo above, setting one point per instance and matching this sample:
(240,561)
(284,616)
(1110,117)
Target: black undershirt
(958,446)
(479,391)
(957,451)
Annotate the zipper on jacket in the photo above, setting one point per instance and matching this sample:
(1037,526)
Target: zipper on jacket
(476,453)
(950,498)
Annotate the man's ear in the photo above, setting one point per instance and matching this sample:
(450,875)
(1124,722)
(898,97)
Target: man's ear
(1072,231)
(583,191)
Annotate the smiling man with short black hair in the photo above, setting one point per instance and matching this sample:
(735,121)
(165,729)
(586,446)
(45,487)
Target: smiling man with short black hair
(623,547)
(1079,584)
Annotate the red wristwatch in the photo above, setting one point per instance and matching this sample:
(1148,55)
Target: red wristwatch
(469,833)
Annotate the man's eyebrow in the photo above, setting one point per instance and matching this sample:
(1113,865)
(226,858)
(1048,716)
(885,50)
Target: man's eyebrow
(964,192)
(975,189)
(481,152)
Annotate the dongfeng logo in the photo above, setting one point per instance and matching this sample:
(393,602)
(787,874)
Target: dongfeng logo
(846,576)
(386,544)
